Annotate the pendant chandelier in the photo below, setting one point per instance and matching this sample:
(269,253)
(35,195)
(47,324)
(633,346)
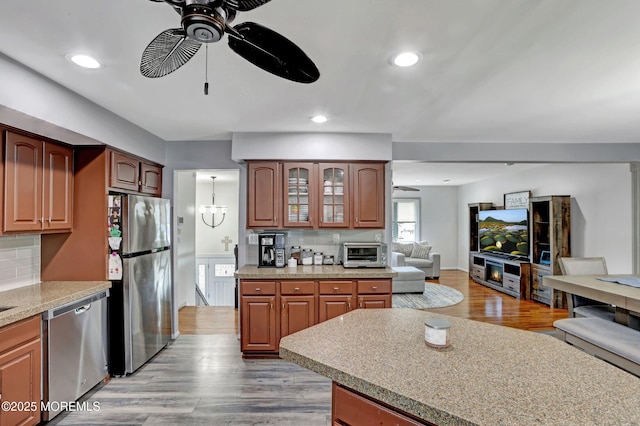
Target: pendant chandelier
(211,210)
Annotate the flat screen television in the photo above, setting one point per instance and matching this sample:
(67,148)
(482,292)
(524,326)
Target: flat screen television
(504,232)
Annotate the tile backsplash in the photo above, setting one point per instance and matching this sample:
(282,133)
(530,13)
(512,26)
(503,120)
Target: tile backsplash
(19,261)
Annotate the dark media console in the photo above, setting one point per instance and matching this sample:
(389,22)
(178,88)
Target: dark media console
(507,274)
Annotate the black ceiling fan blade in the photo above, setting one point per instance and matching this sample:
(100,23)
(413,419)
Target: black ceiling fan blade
(272,52)
(245,5)
(170,50)
(405,188)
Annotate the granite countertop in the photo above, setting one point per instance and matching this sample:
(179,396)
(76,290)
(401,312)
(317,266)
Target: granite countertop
(34,299)
(313,272)
(490,375)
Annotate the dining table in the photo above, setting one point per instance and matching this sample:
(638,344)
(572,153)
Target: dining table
(604,288)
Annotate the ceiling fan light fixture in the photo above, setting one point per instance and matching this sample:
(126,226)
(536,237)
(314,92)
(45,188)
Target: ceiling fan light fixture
(406,59)
(319,119)
(203,23)
(84,61)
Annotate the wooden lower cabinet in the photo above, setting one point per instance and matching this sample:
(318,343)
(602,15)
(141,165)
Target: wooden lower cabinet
(259,320)
(298,306)
(259,327)
(333,306)
(350,409)
(374,294)
(20,371)
(271,310)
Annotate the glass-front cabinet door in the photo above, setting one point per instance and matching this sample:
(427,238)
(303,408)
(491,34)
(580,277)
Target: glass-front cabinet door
(299,195)
(334,195)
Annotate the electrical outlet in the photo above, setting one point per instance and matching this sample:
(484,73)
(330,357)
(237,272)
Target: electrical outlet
(378,238)
(336,238)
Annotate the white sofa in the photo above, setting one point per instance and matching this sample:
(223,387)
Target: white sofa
(420,255)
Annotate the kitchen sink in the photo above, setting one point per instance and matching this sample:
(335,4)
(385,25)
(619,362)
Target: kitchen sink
(6,308)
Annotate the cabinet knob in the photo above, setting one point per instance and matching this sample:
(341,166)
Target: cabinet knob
(296,289)
(335,289)
(374,287)
(258,289)
(283,306)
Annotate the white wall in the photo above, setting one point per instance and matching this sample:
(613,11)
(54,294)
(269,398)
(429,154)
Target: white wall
(311,146)
(600,207)
(184,276)
(208,240)
(34,103)
(438,220)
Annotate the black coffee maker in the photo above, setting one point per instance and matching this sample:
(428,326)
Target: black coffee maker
(271,252)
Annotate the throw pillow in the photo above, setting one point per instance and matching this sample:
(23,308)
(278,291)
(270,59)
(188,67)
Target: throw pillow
(404,248)
(421,251)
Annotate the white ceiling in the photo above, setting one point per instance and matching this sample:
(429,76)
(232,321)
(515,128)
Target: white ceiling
(491,70)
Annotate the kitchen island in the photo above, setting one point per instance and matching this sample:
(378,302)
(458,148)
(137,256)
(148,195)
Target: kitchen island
(275,302)
(490,375)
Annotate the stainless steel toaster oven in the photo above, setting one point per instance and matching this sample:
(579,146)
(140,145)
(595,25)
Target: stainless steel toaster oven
(363,255)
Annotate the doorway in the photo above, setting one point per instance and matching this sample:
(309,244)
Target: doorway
(206,206)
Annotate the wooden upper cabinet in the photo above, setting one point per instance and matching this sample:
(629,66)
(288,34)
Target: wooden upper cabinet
(23,183)
(333,183)
(264,203)
(38,185)
(130,174)
(150,179)
(300,195)
(367,184)
(125,172)
(58,187)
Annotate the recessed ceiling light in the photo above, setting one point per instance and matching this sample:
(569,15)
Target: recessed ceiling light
(84,61)
(406,59)
(319,119)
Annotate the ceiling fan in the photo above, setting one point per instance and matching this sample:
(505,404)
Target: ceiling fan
(404,188)
(206,21)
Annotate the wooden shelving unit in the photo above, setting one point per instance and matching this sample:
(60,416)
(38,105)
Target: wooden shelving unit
(550,229)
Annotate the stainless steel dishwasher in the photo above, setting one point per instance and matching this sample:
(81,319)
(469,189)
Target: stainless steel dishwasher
(74,350)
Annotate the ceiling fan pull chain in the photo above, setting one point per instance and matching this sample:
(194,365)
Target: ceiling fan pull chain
(206,69)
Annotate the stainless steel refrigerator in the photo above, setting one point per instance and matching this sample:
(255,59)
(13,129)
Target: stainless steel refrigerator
(139,309)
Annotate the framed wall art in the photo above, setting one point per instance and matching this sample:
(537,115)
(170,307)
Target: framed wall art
(517,200)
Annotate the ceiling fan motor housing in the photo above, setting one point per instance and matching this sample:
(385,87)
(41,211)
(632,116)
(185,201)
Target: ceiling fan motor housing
(203,23)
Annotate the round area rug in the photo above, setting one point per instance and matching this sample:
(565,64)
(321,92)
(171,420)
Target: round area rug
(434,296)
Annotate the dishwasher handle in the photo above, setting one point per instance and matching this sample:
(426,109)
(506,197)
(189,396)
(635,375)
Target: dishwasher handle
(75,306)
(82,309)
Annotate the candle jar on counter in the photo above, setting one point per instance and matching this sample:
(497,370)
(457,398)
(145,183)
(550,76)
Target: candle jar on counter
(436,332)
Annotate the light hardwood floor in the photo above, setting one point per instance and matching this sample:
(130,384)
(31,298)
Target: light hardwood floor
(202,379)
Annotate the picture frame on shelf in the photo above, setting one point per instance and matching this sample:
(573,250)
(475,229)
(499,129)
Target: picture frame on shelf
(517,200)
